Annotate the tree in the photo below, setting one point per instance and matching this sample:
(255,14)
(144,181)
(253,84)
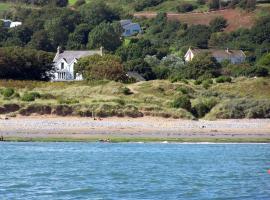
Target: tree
(106,35)
(202,65)
(218,24)
(97,12)
(79,38)
(196,35)
(214,4)
(25,64)
(184,7)
(40,41)
(264,61)
(98,67)
(141,67)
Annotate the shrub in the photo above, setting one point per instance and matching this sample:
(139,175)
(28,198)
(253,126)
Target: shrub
(185,7)
(198,82)
(182,102)
(127,91)
(223,79)
(28,97)
(35,94)
(242,108)
(203,107)
(7,92)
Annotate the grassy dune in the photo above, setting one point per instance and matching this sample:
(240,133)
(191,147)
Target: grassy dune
(243,98)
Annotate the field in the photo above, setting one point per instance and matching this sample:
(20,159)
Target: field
(236,18)
(244,98)
(4,7)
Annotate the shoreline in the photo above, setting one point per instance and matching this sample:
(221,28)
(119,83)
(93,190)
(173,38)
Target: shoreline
(145,129)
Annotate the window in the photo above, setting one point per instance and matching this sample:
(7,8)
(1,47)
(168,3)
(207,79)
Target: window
(62,65)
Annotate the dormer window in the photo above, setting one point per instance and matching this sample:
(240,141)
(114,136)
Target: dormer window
(62,65)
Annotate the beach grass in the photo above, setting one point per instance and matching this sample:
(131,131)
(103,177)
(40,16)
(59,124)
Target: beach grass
(151,98)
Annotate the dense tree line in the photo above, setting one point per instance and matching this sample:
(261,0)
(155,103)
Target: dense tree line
(25,64)
(60,3)
(157,53)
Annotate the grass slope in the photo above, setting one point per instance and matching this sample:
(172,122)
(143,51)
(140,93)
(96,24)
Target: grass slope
(152,98)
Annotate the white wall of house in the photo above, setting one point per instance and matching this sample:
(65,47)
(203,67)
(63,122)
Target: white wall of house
(189,56)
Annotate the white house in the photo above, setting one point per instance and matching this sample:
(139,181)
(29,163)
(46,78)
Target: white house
(64,62)
(129,28)
(234,56)
(10,24)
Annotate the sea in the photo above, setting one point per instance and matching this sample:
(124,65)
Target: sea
(134,171)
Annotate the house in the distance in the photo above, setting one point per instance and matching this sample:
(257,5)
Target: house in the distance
(64,62)
(234,56)
(129,28)
(10,24)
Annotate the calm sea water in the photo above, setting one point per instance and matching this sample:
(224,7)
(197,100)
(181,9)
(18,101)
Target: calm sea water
(73,171)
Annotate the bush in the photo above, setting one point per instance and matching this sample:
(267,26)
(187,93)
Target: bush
(223,79)
(7,92)
(242,108)
(203,107)
(127,91)
(182,102)
(185,7)
(28,97)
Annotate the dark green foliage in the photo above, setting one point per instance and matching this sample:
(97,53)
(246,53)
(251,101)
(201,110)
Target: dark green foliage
(127,91)
(223,79)
(25,64)
(196,35)
(105,35)
(60,3)
(98,67)
(28,97)
(79,38)
(182,102)
(184,7)
(214,4)
(218,24)
(141,67)
(245,70)
(142,4)
(202,65)
(7,92)
(96,13)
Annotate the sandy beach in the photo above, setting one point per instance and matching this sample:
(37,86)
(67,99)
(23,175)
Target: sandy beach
(146,127)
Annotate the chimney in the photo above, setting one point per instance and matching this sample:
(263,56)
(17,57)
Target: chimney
(101,50)
(59,50)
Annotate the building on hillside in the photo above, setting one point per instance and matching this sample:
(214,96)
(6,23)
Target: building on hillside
(10,24)
(129,28)
(64,62)
(135,75)
(234,56)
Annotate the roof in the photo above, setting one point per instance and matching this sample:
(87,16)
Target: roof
(69,56)
(131,25)
(10,24)
(125,22)
(135,75)
(220,52)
